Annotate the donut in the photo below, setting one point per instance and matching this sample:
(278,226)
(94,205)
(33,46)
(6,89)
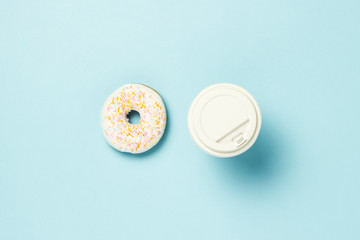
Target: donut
(125,136)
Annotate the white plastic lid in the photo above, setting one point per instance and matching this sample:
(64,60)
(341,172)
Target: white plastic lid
(224,120)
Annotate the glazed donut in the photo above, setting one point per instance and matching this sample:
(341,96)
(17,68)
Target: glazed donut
(133,138)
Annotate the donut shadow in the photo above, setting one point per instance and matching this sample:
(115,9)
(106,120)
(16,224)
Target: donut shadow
(155,148)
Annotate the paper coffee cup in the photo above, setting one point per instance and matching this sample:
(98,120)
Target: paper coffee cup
(224,120)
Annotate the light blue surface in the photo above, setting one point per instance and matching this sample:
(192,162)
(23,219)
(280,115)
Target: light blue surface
(59,60)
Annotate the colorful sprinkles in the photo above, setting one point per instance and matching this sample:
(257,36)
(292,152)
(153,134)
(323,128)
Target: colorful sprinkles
(127,137)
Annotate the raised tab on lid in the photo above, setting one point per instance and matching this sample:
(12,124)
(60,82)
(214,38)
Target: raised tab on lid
(224,120)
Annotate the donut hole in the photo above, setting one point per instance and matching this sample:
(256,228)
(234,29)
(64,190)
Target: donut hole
(133,117)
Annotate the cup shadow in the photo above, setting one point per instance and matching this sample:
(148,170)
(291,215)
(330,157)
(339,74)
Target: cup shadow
(261,164)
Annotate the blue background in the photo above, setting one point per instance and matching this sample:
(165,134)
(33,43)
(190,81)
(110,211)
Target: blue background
(59,60)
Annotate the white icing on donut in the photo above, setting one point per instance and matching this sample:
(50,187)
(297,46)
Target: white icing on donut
(133,138)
